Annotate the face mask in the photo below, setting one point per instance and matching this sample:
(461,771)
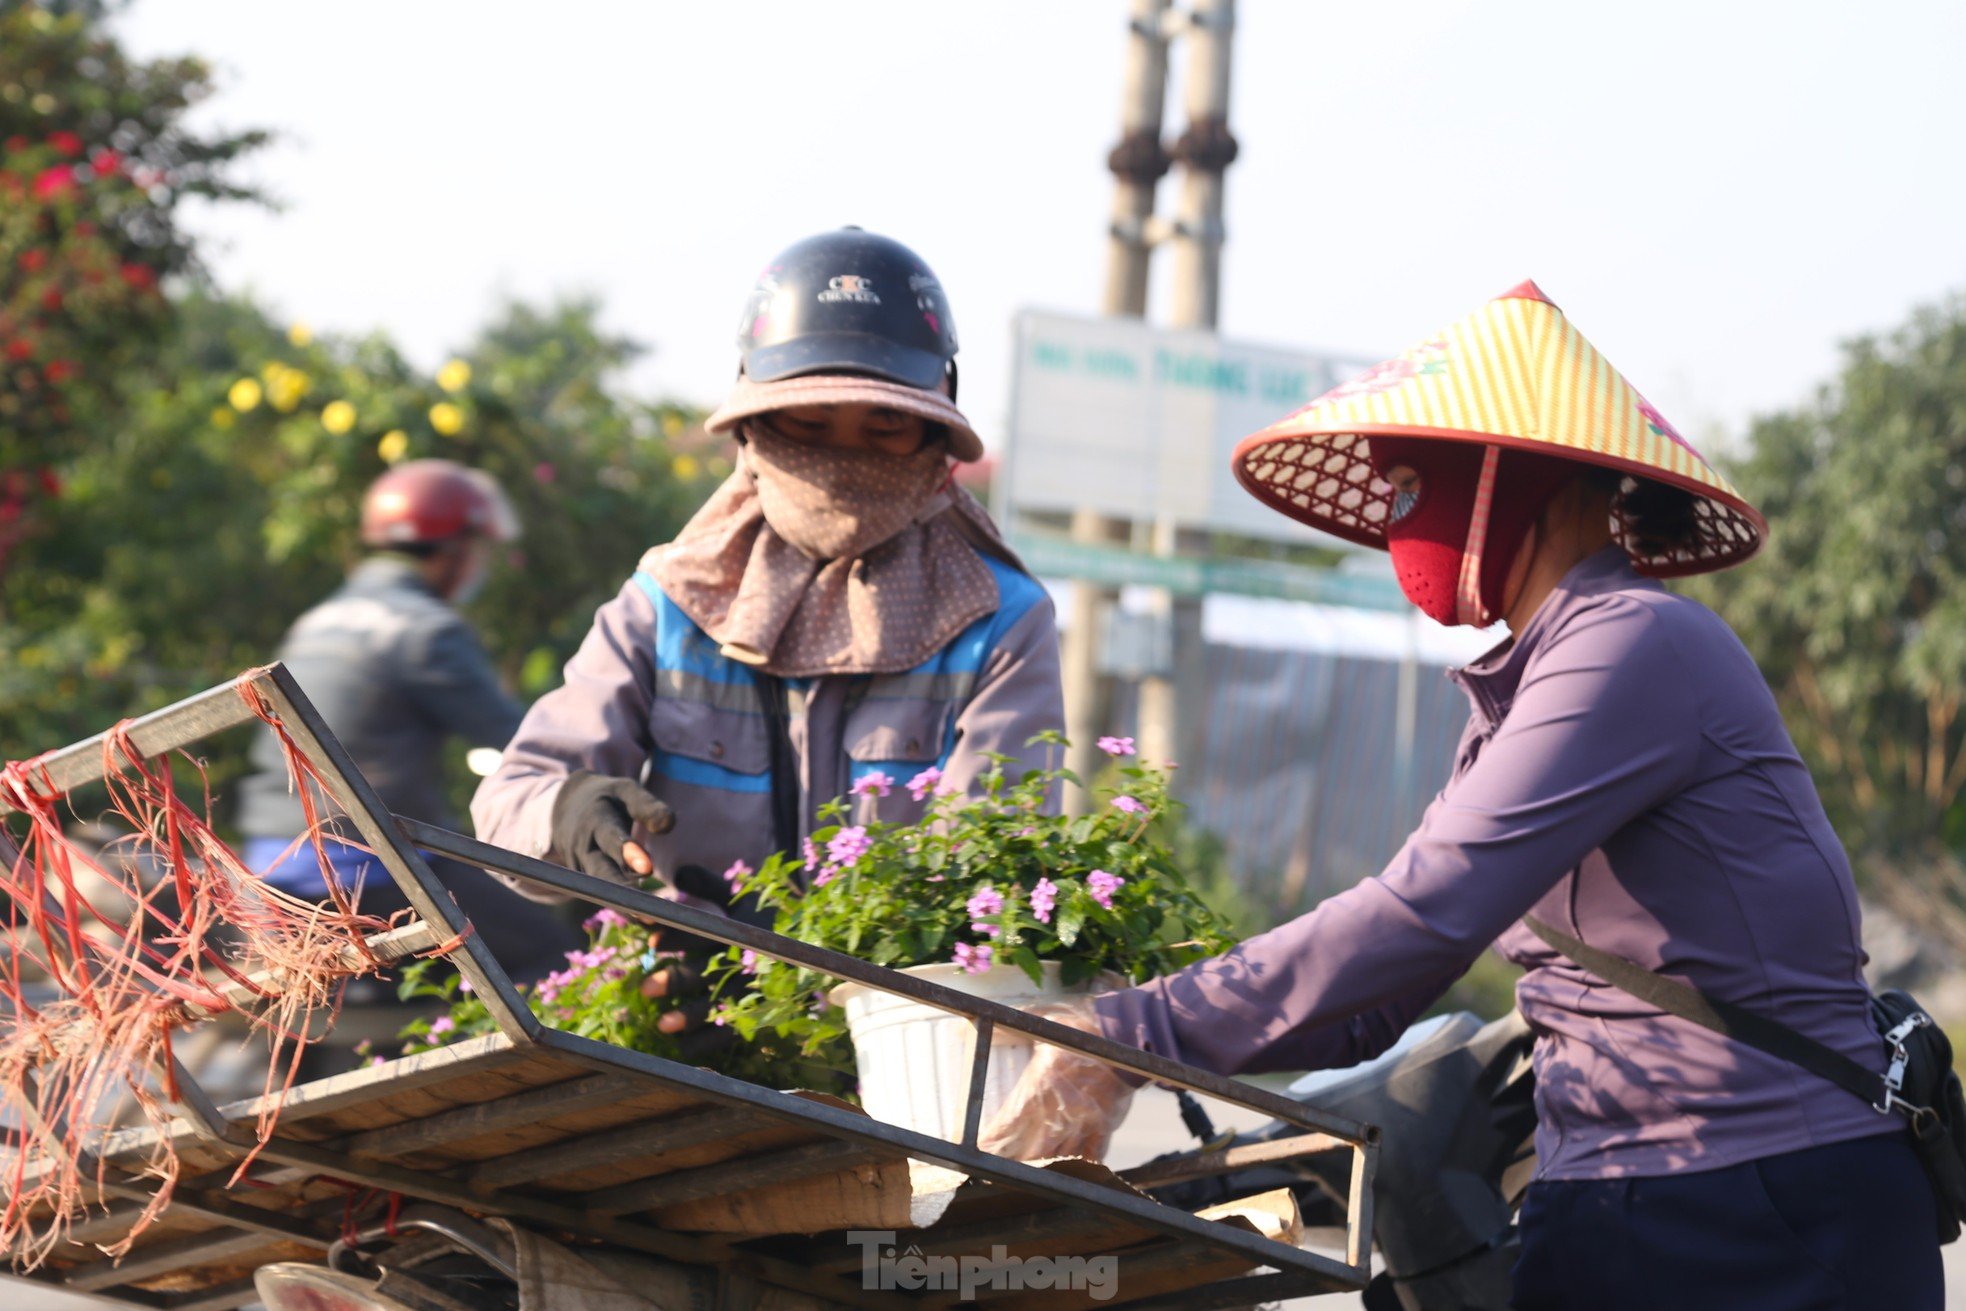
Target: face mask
(1454,539)
(477,569)
(836,505)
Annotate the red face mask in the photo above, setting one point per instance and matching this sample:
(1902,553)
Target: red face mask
(1454,542)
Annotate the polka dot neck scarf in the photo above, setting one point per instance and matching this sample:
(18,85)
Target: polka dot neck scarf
(809,561)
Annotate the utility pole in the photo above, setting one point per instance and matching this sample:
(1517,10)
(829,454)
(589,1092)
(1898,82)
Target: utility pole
(1138,163)
(1170,704)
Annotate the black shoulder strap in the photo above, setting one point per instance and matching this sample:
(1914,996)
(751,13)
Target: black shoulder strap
(1724,1018)
(784,766)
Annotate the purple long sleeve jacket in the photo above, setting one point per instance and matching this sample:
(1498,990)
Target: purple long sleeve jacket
(1624,775)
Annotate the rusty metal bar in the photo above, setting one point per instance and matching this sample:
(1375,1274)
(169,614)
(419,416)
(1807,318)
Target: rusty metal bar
(155,734)
(979,1076)
(1201,1164)
(419,885)
(733,932)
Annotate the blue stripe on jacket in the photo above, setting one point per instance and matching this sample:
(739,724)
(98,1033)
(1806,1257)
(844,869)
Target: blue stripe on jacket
(681,645)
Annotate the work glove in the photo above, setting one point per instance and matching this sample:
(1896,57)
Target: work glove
(680,977)
(593,826)
(1065,1104)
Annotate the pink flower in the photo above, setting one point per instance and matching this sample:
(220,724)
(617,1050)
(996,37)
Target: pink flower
(749,960)
(974,960)
(875,784)
(442,1024)
(378,1060)
(848,845)
(737,873)
(464,986)
(1102,886)
(614,974)
(811,855)
(1128,806)
(1043,898)
(605,917)
(1116,746)
(825,876)
(986,900)
(923,783)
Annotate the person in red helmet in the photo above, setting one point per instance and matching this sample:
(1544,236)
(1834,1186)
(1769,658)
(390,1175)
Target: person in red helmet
(399,674)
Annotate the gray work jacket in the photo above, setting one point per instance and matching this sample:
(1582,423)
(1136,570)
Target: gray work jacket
(649,695)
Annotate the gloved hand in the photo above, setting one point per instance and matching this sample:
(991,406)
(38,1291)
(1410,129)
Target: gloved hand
(1065,1104)
(593,826)
(681,977)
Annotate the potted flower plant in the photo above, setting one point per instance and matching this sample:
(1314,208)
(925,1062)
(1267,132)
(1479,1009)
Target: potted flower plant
(994,894)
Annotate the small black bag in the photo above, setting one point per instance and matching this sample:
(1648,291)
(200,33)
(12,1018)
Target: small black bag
(1919,1084)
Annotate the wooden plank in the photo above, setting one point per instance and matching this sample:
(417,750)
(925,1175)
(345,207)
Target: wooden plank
(164,1258)
(823,1157)
(225,1297)
(615,1146)
(560,1215)
(478,1118)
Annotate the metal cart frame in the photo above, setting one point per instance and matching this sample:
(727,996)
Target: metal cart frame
(847,1136)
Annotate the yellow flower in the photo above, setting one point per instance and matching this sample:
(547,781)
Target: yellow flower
(455,376)
(223,418)
(686,467)
(395,444)
(287,392)
(447,418)
(244,395)
(672,424)
(300,335)
(338,417)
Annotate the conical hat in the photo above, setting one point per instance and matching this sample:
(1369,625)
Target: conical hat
(1515,373)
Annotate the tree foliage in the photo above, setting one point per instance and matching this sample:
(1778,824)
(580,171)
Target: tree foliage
(95,162)
(1856,611)
(193,533)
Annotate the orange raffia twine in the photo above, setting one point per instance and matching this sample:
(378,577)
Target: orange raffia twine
(122,986)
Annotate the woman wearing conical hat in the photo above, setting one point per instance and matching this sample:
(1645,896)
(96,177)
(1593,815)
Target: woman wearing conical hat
(1624,778)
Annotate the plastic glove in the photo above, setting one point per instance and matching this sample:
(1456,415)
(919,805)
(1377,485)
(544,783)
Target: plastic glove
(1065,1104)
(593,826)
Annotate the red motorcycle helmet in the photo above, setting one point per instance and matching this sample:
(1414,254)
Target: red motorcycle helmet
(425,502)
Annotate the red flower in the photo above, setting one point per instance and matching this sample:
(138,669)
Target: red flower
(55,184)
(105,163)
(20,349)
(34,259)
(60,371)
(66,143)
(51,299)
(86,228)
(50,480)
(140,276)
(17,143)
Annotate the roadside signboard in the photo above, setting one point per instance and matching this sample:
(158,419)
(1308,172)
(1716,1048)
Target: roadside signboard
(1138,422)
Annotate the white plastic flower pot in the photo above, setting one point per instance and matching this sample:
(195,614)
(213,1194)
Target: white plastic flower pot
(914,1060)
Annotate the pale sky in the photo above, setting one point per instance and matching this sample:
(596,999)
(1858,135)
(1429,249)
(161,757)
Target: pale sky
(1717,193)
